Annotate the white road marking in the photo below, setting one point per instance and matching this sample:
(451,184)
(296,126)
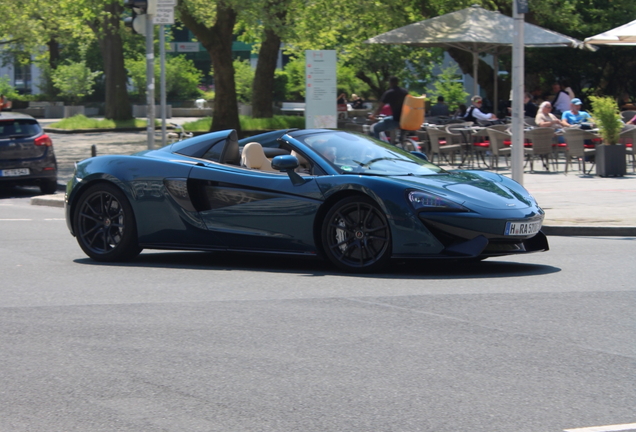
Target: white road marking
(609,428)
(47,219)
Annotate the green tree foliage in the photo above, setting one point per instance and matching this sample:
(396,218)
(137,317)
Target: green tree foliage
(7,89)
(448,86)
(75,80)
(182,77)
(244,77)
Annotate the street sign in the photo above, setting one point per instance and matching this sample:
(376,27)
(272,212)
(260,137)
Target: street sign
(155,5)
(164,15)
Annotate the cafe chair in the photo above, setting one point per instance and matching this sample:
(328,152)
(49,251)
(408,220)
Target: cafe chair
(575,139)
(441,145)
(425,145)
(529,121)
(498,138)
(542,139)
(462,133)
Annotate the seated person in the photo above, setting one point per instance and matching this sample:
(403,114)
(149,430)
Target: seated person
(356,102)
(574,116)
(529,108)
(440,108)
(545,118)
(632,121)
(473,114)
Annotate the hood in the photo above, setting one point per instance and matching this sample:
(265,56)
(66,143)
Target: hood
(480,188)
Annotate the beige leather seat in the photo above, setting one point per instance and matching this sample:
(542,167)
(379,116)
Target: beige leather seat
(254,157)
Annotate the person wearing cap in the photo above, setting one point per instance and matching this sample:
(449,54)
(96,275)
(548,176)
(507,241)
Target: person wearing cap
(575,116)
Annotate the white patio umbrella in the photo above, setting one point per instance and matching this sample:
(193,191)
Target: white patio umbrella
(623,35)
(475,30)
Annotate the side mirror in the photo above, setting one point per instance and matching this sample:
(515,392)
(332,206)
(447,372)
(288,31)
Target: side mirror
(285,163)
(288,164)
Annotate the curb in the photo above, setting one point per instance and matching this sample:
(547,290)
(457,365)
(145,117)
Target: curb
(74,131)
(57,200)
(589,231)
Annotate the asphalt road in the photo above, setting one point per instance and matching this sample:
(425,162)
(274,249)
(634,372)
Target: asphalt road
(222,342)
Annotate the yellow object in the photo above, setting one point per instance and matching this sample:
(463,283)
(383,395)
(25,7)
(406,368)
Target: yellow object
(412,115)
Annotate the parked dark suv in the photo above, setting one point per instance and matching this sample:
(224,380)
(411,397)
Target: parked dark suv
(26,153)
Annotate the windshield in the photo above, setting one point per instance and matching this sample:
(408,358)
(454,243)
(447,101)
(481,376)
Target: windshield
(352,153)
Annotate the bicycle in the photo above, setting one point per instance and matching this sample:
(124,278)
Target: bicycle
(180,135)
(401,138)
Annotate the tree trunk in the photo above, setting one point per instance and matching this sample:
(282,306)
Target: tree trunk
(217,40)
(110,43)
(54,52)
(263,87)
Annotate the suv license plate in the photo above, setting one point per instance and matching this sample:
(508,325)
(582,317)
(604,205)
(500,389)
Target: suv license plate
(15,172)
(522,228)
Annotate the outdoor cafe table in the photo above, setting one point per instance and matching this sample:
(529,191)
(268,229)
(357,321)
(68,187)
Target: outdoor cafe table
(469,153)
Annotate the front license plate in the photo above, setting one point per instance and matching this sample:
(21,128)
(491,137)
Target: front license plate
(522,228)
(14,172)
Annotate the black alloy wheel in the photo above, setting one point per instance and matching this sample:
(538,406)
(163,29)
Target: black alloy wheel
(105,225)
(356,235)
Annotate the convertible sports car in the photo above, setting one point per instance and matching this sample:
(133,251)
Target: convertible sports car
(329,193)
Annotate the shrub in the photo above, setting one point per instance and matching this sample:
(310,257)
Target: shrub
(182,77)
(7,89)
(606,115)
(244,78)
(74,80)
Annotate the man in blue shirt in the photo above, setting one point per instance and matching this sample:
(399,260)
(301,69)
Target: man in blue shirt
(575,116)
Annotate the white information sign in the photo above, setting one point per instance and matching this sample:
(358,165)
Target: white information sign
(320,95)
(187,46)
(164,15)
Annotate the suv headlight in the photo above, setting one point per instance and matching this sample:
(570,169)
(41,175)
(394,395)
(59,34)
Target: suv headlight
(425,201)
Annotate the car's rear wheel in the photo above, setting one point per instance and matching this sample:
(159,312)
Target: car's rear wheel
(356,235)
(105,224)
(48,186)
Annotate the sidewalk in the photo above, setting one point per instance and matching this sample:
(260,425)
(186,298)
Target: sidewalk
(575,204)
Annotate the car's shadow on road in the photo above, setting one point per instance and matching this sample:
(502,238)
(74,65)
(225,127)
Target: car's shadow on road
(19,192)
(401,269)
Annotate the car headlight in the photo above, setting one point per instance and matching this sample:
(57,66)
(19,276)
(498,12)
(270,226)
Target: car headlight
(425,201)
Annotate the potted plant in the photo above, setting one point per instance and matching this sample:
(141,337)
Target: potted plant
(610,156)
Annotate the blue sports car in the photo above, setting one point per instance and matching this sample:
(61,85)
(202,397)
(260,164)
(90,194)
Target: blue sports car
(327,193)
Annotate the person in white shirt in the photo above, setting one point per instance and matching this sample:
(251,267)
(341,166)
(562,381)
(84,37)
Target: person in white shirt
(561,101)
(474,112)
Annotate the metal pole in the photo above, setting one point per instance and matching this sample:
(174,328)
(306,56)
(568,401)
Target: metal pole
(150,80)
(517,95)
(495,66)
(162,79)
(475,72)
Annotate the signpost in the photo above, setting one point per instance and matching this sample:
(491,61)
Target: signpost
(518,67)
(320,94)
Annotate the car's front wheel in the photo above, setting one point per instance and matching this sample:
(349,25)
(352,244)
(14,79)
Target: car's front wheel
(356,235)
(105,224)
